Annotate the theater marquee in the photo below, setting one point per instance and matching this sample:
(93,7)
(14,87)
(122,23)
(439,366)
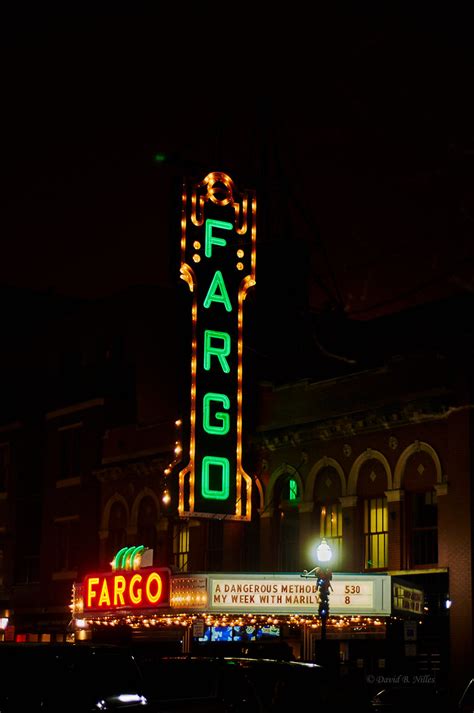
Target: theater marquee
(352,594)
(218,252)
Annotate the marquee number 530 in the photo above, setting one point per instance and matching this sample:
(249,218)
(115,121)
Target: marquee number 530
(350,589)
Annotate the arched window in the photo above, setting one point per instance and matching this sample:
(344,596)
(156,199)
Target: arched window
(375,533)
(286,501)
(421,510)
(371,486)
(146,523)
(328,511)
(422,520)
(181,545)
(117,529)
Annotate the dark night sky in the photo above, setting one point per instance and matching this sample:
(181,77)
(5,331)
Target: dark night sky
(355,128)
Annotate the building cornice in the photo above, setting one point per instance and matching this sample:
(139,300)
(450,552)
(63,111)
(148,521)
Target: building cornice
(75,408)
(349,425)
(136,469)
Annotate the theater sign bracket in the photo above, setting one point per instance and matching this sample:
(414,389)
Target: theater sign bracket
(218,252)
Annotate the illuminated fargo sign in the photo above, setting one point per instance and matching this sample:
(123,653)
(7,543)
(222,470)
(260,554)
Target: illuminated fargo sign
(218,253)
(127,589)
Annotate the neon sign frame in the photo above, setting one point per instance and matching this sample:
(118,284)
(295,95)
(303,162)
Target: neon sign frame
(218,249)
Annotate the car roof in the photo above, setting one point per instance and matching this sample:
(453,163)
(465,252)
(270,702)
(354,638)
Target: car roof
(244,660)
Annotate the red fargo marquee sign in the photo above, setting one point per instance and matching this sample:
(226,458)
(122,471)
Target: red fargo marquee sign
(127,589)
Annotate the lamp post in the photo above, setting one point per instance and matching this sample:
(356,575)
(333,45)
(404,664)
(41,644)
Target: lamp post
(323,576)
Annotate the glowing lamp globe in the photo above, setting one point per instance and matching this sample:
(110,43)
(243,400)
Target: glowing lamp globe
(323,552)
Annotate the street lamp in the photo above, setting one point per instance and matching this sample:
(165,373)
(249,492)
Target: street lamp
(323,576)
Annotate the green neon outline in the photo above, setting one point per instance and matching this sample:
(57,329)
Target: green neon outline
(206,491)
(223,297)
(138,550)
(293,489)
(223,428)
(118,558)
(210,239)
(126,554)
(221,353)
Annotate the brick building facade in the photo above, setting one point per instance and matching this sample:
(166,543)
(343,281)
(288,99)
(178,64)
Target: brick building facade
(377,460)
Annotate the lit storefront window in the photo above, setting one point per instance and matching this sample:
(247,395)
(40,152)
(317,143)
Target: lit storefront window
(181,546)
(375,533)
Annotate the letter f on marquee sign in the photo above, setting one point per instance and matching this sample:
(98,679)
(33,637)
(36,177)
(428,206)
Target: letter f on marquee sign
(218,249)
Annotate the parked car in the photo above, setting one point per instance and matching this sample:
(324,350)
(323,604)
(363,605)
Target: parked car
(69,677)
(237,685)
(466,703)
(410,698)
(250,649)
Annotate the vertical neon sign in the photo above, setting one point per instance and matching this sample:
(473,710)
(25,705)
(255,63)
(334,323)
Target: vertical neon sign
(218,252)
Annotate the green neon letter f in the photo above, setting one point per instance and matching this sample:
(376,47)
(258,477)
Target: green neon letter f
(211,239)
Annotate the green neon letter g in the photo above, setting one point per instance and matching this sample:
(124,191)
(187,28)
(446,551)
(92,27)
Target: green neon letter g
(221,428)
(220,352)
(207,491)
(211,239)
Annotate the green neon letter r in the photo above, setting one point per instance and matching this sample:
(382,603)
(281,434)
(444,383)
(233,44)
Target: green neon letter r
(220,352)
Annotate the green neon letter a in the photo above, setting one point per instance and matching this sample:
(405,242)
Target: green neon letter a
(211,239)
(207,491)
(223,427)
(213,296)
(220,352)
